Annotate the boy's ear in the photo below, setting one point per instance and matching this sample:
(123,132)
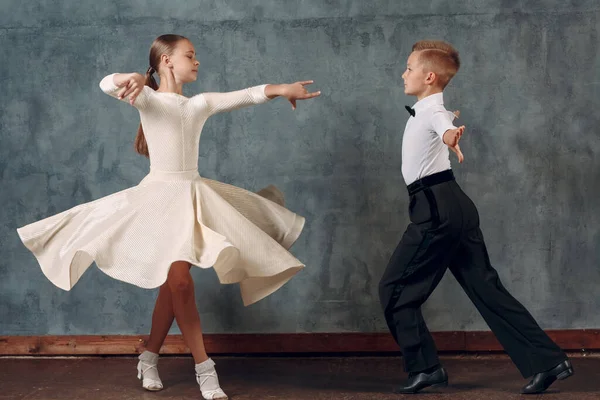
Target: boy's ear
(431,78)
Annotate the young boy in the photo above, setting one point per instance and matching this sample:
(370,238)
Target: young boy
(444,233)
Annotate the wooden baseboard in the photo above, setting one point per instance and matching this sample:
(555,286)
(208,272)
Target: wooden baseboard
(277,343)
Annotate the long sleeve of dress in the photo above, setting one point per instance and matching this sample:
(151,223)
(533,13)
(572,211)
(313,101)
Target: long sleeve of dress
(107,84)
(221,102)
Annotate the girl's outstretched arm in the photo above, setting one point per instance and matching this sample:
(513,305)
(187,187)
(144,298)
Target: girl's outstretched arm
(220,102)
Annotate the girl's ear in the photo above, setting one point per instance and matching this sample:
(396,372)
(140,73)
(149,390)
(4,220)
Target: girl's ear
(164,59)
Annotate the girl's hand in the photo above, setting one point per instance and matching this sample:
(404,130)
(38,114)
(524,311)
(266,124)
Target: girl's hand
(297,91)
(451,139)
(169,77)
(132,86)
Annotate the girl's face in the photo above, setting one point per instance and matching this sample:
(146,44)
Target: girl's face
(183,62)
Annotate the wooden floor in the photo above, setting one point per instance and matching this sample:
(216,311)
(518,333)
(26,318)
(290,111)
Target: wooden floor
(331,378)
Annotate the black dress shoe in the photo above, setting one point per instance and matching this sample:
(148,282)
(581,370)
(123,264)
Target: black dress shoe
(542,380)
(422,380)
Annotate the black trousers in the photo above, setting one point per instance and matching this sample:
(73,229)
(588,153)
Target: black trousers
(444,233)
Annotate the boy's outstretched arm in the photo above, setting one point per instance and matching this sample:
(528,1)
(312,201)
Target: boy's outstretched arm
(451,139)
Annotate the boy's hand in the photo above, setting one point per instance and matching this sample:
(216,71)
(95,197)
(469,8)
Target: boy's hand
(451,139)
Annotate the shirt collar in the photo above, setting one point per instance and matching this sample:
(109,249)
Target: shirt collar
(431,100)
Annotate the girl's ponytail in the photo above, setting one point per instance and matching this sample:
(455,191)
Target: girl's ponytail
(140,140)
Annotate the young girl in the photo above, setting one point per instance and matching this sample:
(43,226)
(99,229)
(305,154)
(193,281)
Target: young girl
(151,234)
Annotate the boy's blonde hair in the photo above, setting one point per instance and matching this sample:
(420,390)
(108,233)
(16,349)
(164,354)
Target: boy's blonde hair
(438,57)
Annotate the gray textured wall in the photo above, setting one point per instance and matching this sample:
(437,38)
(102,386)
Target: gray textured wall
(529,92)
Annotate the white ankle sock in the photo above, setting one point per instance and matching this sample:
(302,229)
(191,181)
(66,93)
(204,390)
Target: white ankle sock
(206,376)
(149,359)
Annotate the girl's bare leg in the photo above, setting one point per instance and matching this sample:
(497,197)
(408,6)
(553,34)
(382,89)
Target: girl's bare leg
(183,299)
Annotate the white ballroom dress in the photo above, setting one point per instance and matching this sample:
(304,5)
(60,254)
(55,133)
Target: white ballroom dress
(174,214)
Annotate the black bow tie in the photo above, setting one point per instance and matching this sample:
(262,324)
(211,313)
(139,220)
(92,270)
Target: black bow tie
(410,110)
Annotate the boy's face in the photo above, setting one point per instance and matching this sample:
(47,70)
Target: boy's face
(415,78)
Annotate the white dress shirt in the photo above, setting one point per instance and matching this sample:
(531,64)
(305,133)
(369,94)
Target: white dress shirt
(423,150)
